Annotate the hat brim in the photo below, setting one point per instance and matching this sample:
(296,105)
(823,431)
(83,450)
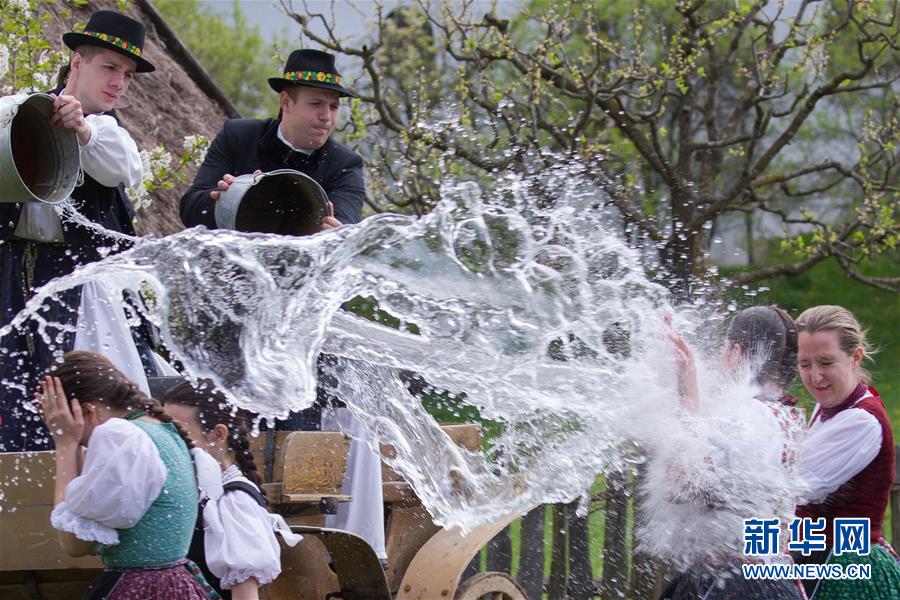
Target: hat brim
(280,83)
(74,40)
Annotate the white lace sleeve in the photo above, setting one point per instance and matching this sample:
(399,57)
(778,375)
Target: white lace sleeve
(240,539)
(123,474)
(111,155)
(836,450)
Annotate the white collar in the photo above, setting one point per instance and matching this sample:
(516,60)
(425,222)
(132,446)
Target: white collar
(232,473)
(281,137)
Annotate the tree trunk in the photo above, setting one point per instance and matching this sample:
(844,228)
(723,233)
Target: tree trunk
(615,559)
(581,576)
(531,553)
(748,224)
(682,253)
(557,589)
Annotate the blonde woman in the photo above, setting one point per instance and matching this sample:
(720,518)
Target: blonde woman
(847,458)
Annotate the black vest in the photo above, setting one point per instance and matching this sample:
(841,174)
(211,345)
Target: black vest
(197,551)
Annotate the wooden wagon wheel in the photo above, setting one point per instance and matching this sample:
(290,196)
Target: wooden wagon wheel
(493,585)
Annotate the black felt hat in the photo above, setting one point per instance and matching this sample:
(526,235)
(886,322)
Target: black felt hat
(313,68)
(113,31)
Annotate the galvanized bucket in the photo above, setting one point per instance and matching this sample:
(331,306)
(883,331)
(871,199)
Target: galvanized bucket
(284,201)
(38,162)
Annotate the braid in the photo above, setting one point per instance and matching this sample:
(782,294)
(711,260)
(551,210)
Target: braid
(238,444)
(214,409)
(156,411)
(788,360)
(90,377)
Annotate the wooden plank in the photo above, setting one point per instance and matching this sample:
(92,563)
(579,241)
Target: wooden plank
(304,569)
(357,567)
(27,478)
(314,462)
(895,503)
(258,449)
(313,498)
(46,585)
(466,435)
(408,528)
(896,485)
(436,568)
(531,552)
(398,491)
(581,576)
(29,542)
(615,553)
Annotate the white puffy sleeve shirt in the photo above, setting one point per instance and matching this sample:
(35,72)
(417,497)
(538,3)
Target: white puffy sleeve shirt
(239,534)
(111,155)
(123,474)
(834,451)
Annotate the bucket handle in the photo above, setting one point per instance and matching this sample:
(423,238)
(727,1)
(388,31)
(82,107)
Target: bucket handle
(80,181)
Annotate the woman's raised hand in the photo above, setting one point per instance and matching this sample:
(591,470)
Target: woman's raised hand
(64,419)
(688,390)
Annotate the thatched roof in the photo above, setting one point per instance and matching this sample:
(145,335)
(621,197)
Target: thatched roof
(176,100)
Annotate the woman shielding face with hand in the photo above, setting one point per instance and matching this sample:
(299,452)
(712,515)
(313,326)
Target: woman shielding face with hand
(64,419)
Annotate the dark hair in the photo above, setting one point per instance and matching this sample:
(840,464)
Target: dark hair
(214,409)
(88,51)
(90,377)
(767,334)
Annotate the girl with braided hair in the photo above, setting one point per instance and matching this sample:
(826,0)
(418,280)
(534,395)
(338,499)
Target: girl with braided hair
(132,496)
(761,342)
(234,542)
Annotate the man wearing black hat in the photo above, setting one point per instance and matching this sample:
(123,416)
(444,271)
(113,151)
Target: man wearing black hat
(37,245)
(300,138)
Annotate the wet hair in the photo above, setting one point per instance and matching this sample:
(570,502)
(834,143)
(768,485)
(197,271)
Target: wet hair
(851,335)
(90,377)
(87,51)
(214,409)
(768,337)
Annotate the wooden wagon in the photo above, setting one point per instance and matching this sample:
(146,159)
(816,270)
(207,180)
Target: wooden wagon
(304,475)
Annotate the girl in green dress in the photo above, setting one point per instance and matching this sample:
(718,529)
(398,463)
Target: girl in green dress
(131,497)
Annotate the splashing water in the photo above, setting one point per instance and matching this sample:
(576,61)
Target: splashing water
(527,305)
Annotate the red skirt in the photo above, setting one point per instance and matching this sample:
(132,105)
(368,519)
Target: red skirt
(182,580)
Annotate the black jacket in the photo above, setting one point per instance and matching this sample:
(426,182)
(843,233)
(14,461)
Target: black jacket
(245,145)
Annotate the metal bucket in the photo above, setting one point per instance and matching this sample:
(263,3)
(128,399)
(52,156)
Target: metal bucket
(38,162)
(284,201)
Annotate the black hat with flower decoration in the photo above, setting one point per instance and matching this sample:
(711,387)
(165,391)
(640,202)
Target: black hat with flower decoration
(113,31)
(313,68)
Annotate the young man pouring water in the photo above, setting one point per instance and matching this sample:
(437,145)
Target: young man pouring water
(37,244)
(299,138)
